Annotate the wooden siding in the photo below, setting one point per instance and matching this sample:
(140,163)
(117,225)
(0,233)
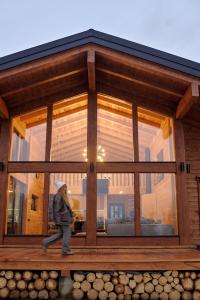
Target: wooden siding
(192,148)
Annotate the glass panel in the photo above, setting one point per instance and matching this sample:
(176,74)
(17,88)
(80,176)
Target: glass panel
(114,130)
(69,130)
(76,192)
(158,204)
(25,203)
(115,204)
(156,136)
(29,136)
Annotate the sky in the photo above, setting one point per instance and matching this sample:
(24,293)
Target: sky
(169,25)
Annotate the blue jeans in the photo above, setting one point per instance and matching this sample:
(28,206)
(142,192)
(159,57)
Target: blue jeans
(63,231)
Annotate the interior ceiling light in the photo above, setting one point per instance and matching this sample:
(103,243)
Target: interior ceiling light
(100,153)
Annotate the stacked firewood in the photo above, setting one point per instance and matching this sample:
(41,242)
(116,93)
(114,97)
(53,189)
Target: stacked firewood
(29,284)
(172,285)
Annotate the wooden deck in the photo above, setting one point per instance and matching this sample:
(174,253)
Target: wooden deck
(98,258)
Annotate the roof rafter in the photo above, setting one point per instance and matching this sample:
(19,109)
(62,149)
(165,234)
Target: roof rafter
(91,70)
(191,95)
(42,82)
(3,110)
(140,82)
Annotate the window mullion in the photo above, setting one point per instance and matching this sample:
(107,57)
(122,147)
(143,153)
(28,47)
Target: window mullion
(49,132)
(46,202)
(136,175)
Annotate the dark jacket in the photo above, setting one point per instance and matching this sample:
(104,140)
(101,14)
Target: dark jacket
(62,213)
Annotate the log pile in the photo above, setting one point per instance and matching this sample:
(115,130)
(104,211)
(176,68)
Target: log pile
(29,284)
(166,285)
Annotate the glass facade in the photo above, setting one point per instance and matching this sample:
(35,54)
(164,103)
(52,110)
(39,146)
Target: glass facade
(69,130)
(115,204)
(114,131)
(156,137)
(29,136)
(115,190)
(158,204)
(76,190)
(25,204)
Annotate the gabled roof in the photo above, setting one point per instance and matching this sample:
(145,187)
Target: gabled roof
(101,39)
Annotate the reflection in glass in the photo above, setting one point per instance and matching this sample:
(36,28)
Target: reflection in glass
(29,136)
(158,204)
(115,129)
(115,204)
(69,130)
(76,187)
(25,203)
(156,137)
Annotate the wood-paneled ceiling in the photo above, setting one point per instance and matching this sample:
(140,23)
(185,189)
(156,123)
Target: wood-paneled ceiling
(67,74)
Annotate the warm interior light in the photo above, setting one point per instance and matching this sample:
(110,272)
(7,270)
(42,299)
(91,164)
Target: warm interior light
(100,153)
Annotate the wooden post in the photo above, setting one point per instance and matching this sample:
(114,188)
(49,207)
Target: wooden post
(49,132)
(91,70)
(47,175)
(46,203)
(181,191)
(136,174)
(91,214)
(4,151)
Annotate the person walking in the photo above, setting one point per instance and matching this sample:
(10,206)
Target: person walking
(63,217)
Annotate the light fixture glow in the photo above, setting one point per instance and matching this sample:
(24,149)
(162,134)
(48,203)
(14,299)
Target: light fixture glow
(100,153)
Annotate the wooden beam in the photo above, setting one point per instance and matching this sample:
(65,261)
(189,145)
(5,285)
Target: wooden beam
(4,151)
(126,95)
(136,174)
(91,206)
(91,70)
(3,110)
(136,62)
(32,94)
(183,205)
(139,91)
(47,99)
(143,84)
(42,63)
(60,105)
(49,167)
(191,95)
(137,167)
(41,83)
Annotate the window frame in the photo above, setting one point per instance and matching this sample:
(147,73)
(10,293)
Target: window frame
(92,168)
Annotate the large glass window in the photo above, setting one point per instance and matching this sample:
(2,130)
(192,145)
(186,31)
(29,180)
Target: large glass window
(155,134)
(76,191)
(69,130)
(115,204)
(29,136)
(25,203)
(158,204)
(114,130)
(154,195)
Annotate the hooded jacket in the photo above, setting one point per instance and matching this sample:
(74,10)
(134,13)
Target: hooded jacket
(62,212)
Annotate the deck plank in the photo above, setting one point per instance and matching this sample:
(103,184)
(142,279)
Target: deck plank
(100,259)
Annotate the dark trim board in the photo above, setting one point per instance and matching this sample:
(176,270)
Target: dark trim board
(109,41)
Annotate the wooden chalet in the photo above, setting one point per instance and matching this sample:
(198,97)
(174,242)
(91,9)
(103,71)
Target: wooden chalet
(119,123)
